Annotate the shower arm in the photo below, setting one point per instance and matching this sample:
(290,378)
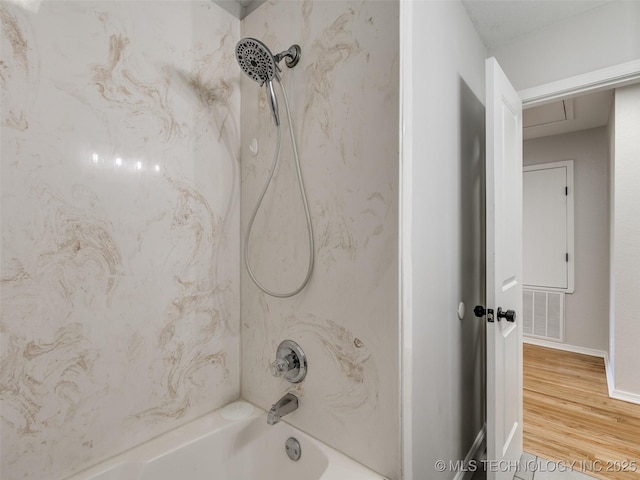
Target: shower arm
(291,56)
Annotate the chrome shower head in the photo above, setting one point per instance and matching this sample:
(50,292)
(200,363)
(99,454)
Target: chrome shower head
(257,61)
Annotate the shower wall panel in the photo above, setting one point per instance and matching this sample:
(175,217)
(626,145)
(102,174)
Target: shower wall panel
(120,219)
(344,99)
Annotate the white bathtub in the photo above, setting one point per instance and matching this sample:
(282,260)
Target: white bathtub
(214,447)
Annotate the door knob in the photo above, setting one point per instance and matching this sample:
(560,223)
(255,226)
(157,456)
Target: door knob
(479,311)
(508,315)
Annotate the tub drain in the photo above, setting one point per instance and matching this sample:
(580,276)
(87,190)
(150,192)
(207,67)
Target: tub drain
(292,446)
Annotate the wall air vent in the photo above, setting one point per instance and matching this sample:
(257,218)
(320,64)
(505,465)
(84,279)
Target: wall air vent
(543,314)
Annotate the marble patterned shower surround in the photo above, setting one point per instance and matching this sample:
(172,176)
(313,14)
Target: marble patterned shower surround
(120,226)
(344,99)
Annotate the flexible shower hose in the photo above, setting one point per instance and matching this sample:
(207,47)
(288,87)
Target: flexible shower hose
(276,159)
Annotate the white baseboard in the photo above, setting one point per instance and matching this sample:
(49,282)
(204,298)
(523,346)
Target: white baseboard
(566,347)
(625,396)
(613,392)
(473,454)
(608,369)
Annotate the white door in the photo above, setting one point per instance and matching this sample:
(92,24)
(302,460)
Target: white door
(504,273)
(547,226)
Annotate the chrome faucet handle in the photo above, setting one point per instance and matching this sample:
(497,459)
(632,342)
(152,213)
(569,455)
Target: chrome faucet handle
(280,366)
(290,362)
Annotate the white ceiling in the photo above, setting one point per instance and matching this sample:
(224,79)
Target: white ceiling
(502,21)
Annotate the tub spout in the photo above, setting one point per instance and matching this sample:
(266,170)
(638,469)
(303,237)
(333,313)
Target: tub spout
(282,407)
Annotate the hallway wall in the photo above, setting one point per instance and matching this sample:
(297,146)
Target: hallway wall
(587,309)
(626,238)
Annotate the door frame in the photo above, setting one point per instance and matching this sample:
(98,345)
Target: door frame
(608,78)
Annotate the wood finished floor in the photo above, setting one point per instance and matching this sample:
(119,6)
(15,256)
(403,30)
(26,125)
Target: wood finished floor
(568,415)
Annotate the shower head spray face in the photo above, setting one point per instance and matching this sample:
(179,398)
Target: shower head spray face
(256,60)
